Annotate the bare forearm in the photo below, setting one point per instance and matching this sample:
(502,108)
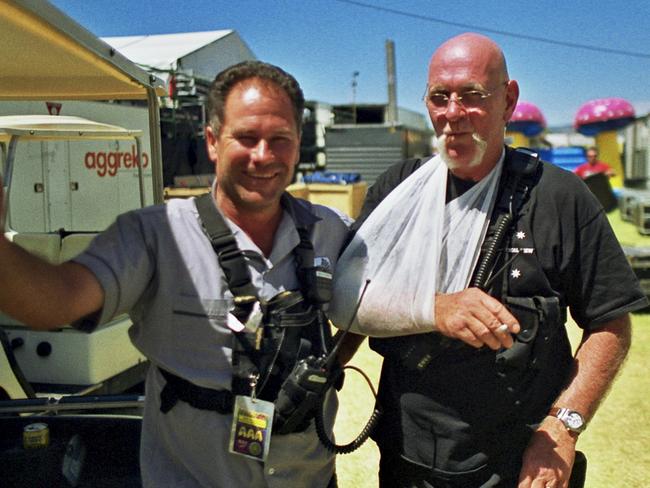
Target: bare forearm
(549,457)
(44,295)
(597,362)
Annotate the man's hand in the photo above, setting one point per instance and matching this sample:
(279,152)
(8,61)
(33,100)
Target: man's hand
(475,318)
(549,457)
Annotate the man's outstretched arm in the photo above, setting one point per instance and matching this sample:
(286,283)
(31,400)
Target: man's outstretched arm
(40,294)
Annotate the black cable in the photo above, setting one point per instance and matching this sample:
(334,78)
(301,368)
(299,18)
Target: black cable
(485,265)
(365,432)
(374,417)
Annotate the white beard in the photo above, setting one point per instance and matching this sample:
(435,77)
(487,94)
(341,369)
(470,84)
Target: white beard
(481,146)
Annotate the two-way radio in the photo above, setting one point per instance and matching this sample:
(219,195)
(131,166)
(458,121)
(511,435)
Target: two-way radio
(304,391)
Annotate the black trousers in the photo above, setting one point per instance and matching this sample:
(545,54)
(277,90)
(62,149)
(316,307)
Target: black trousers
(395,472)
(333,482)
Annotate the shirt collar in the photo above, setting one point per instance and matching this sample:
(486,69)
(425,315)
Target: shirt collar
(296,213)
(299,210)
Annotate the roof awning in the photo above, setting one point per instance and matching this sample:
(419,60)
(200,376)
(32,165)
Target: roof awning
(48,56)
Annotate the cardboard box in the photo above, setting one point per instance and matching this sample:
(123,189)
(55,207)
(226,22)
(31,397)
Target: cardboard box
(639,259)
(346,198)
(299,190)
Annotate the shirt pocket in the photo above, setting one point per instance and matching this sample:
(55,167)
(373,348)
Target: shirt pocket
(190,309)
(197,337)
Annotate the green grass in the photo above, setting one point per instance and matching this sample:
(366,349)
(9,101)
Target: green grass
(617,442)
(626,232)
(358,469)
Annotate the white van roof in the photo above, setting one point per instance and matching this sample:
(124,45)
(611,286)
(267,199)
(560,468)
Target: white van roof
(44,127)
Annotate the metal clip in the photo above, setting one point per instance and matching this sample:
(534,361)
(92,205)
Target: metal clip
(258,338)
(253,377)
(243,299)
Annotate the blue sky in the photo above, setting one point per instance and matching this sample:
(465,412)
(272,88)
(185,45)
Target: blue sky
(322,42)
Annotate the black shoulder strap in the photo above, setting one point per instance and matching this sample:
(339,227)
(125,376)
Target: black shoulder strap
(519,168)
(233,262)
(304,252)
(305,256)
(523,166)
(231,258)
(245,354)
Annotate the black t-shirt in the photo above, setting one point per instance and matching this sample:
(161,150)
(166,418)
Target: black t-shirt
(568,232)
(459,415)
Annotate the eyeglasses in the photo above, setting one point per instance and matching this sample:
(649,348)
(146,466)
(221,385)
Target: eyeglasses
(469,100)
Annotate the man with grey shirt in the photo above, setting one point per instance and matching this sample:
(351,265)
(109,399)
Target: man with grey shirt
(158,264)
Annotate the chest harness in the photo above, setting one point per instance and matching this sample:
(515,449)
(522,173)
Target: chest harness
(293,335)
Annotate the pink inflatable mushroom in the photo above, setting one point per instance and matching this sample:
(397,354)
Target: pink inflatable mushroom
(527,121)
(602,118)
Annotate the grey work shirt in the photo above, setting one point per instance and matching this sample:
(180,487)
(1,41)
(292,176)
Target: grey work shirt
(157,265)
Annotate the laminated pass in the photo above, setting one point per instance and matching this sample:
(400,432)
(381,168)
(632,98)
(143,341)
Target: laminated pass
(412,245)
(250,434)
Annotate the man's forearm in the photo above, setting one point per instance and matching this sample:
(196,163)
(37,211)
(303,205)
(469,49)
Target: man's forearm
(549,457)
(597,362)
(43,295)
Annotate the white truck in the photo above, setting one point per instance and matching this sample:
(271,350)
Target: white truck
(66,179)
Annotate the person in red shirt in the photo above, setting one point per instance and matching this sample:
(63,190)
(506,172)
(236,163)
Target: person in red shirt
(593,165)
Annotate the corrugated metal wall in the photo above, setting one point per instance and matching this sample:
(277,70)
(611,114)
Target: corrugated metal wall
(637,153)
(370,150)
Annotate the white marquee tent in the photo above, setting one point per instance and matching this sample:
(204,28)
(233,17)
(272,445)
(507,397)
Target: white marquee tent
(204,54)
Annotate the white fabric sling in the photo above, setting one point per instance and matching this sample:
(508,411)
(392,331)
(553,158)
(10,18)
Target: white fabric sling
(412,246)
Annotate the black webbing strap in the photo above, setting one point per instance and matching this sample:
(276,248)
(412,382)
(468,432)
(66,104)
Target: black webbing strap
(523,167)
(246,345)
(231,258)
(519,168)
(245,358)
(304,251)
(304,255)
(177,388)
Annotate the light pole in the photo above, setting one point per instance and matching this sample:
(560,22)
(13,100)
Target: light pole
(355,75)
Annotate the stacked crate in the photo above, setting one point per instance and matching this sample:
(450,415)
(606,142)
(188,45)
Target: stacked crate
(627,200)
(641,213)
(639,259)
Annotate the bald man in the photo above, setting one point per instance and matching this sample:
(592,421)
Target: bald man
(483,390)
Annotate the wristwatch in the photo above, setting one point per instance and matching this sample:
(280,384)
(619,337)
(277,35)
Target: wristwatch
(571,419)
